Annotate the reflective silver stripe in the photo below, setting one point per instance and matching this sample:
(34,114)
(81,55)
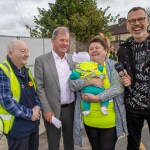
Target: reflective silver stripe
(14,98)
(6,117)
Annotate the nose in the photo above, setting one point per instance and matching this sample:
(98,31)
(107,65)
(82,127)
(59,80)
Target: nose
(94,49)
(27,52)
(136,22)
(65,43)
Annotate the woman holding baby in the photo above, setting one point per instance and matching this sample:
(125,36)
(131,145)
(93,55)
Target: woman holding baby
(102,130)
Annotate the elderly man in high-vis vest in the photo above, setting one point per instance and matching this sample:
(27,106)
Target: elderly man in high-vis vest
(20,106)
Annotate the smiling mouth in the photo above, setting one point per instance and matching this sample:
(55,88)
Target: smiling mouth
(64,48)
(95,54)
(137,29)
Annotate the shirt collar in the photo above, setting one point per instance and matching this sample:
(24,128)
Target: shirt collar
(15,68)
(56,57)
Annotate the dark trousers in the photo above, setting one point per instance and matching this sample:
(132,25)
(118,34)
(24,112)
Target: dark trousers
(135,123)
(54,134)
(101,139)
(28,143)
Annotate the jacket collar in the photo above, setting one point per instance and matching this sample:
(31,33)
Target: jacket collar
(130,40)
(15,69)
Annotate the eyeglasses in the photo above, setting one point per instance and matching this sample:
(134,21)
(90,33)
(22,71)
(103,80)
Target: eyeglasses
(140,20)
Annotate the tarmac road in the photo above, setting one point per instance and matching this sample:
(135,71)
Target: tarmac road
(121,144)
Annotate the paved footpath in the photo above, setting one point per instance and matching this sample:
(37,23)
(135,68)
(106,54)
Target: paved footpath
(121,144)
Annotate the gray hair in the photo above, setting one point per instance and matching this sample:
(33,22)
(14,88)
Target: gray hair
(11,45)
(62,30)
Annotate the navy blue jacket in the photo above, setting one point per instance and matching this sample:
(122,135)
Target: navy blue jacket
(22,127)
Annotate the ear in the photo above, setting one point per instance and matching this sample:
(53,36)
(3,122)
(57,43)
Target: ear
(52,40)
(106,51)
(10,54)
(127,25)
(148,29)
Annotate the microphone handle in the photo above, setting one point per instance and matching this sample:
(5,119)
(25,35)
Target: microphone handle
(129,87)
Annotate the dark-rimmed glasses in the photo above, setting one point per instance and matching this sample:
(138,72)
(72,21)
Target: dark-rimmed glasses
(133,21)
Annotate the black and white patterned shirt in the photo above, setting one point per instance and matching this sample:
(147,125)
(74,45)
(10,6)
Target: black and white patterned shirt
(138,99)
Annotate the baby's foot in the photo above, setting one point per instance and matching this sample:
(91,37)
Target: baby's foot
(85,113)
(104,110)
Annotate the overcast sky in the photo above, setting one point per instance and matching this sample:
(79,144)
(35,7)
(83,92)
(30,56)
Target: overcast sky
(15,14)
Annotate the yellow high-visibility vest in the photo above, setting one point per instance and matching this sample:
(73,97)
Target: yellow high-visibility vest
(8,118)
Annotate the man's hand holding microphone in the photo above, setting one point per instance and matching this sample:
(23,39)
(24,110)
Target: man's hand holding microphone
(125,78)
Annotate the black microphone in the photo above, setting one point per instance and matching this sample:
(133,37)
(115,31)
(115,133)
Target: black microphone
(122,72)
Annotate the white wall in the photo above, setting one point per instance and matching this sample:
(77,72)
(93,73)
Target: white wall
(37,47)
(3,46)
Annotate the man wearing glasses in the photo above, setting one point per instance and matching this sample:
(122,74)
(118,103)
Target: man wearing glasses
(134,54)
(19,104)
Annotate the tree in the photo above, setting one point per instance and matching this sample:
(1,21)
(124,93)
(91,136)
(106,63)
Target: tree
(82,17)
(148,12)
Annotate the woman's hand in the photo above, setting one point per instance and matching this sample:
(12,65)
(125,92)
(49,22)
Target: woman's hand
(95,82)
(90,97)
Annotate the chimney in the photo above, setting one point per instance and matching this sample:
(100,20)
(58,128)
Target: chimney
(121,20)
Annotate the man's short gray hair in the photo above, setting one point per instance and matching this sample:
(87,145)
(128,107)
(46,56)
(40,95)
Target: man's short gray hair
(11,45)
(62,30)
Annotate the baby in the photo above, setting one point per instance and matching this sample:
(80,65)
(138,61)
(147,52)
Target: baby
(87,69)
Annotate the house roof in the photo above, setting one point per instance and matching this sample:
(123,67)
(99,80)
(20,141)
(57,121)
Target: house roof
(119,28)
